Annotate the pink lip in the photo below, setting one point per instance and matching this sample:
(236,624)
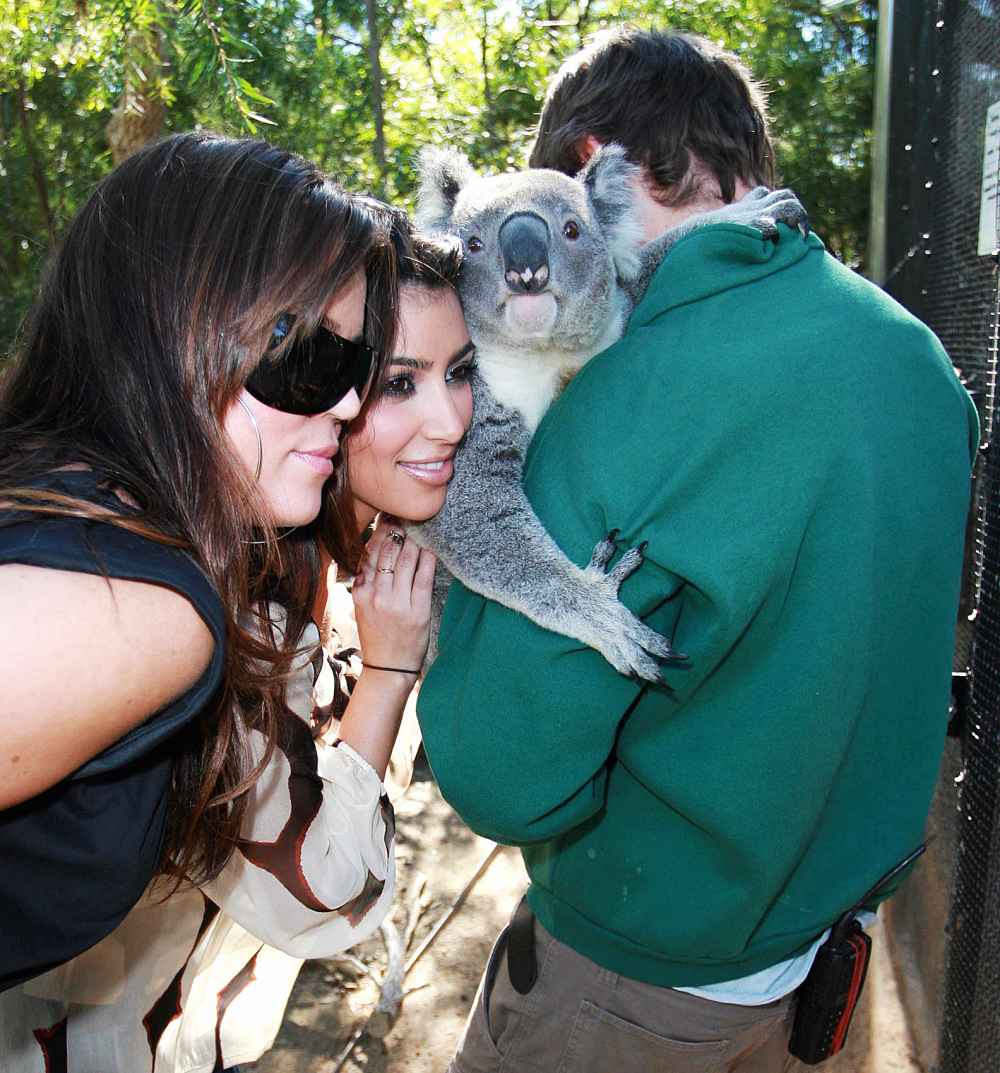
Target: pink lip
(434,471)
(320,460)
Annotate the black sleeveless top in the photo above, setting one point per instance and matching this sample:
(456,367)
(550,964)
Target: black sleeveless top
(76,858)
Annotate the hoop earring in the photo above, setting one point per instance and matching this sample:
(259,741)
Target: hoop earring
(260,442)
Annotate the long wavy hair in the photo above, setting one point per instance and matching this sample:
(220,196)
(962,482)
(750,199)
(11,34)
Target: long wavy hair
(150,317)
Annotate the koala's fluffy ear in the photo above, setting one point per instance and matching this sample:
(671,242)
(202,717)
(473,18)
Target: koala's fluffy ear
(443,173)
(608,178)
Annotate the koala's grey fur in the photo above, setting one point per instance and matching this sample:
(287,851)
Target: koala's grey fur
(534,328)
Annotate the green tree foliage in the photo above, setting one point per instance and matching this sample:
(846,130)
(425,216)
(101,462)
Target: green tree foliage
(453,72)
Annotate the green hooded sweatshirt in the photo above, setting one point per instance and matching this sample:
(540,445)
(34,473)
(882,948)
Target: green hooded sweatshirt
(795,448)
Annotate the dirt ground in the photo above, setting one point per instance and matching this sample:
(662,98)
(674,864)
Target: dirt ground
(334,997)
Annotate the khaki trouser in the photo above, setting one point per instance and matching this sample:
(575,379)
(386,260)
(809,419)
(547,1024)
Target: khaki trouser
(581,1018)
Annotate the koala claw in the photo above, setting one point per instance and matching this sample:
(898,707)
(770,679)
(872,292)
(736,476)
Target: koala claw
(764,209)
(603,551)
(626,642)
(642,659)
(626,566)
(785,208)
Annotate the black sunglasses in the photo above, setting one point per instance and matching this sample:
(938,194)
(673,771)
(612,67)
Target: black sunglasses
(314,374)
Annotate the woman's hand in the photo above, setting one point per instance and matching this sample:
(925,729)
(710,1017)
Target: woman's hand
(392,599)
(392,604)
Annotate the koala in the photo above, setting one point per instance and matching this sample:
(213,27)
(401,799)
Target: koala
(552,270)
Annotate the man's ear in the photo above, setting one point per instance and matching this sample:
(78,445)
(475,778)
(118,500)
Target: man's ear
(610,181)
(586,147)
(443,173)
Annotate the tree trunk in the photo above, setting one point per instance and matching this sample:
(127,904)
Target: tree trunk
(484,62)
(320,17)
(37,171)
(583,24)
(374,59)
(12,256)
(137,118)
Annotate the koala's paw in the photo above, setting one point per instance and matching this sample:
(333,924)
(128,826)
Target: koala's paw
(625,641)
(765,209)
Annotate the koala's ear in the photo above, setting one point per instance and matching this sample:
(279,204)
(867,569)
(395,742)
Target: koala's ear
(608,179)
(443,173)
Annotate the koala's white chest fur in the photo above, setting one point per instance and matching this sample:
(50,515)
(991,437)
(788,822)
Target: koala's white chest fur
(521,385)
(529,381)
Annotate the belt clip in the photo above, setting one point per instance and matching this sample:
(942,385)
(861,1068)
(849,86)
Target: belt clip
(521,962)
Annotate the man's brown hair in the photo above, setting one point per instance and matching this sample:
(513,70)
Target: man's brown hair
(680,106)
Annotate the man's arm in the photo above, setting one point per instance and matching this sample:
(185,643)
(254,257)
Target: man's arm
(519,722)
(489,538)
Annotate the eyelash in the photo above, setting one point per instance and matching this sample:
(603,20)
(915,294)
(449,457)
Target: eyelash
(464,370)
(403,385)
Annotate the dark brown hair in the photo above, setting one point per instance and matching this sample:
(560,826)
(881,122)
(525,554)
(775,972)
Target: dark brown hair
(673,101)
(160,301)
(432,262)
(337,526)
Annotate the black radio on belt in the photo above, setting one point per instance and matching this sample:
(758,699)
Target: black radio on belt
(829,995)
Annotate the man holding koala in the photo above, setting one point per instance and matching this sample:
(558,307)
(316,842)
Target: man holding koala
(794,450)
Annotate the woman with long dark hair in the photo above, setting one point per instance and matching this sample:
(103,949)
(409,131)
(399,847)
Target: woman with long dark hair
(169,492)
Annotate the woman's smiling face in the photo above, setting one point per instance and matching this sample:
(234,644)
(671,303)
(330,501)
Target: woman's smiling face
(400,460)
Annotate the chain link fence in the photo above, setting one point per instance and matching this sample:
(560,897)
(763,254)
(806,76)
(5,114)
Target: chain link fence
(942,216)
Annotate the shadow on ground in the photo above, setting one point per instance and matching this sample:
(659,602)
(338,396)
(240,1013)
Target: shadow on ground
(334,997)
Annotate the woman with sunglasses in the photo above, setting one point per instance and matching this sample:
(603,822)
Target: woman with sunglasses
(173,836)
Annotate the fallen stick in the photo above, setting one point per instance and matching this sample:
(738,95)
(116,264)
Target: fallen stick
(391,993)
(421,900)
(346,1052)
(452,909)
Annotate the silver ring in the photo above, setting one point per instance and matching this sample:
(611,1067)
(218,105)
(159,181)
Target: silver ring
(386,570)
(396,536)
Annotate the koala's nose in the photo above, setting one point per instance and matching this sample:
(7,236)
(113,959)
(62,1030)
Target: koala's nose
(524,243)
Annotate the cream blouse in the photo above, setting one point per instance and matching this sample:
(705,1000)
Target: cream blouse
(199,982)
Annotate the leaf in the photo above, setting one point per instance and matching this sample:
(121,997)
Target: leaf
(251,91)
(199,68)
(271,66)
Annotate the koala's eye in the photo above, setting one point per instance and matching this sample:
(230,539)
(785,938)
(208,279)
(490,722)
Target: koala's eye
(474,245)
(571,229)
